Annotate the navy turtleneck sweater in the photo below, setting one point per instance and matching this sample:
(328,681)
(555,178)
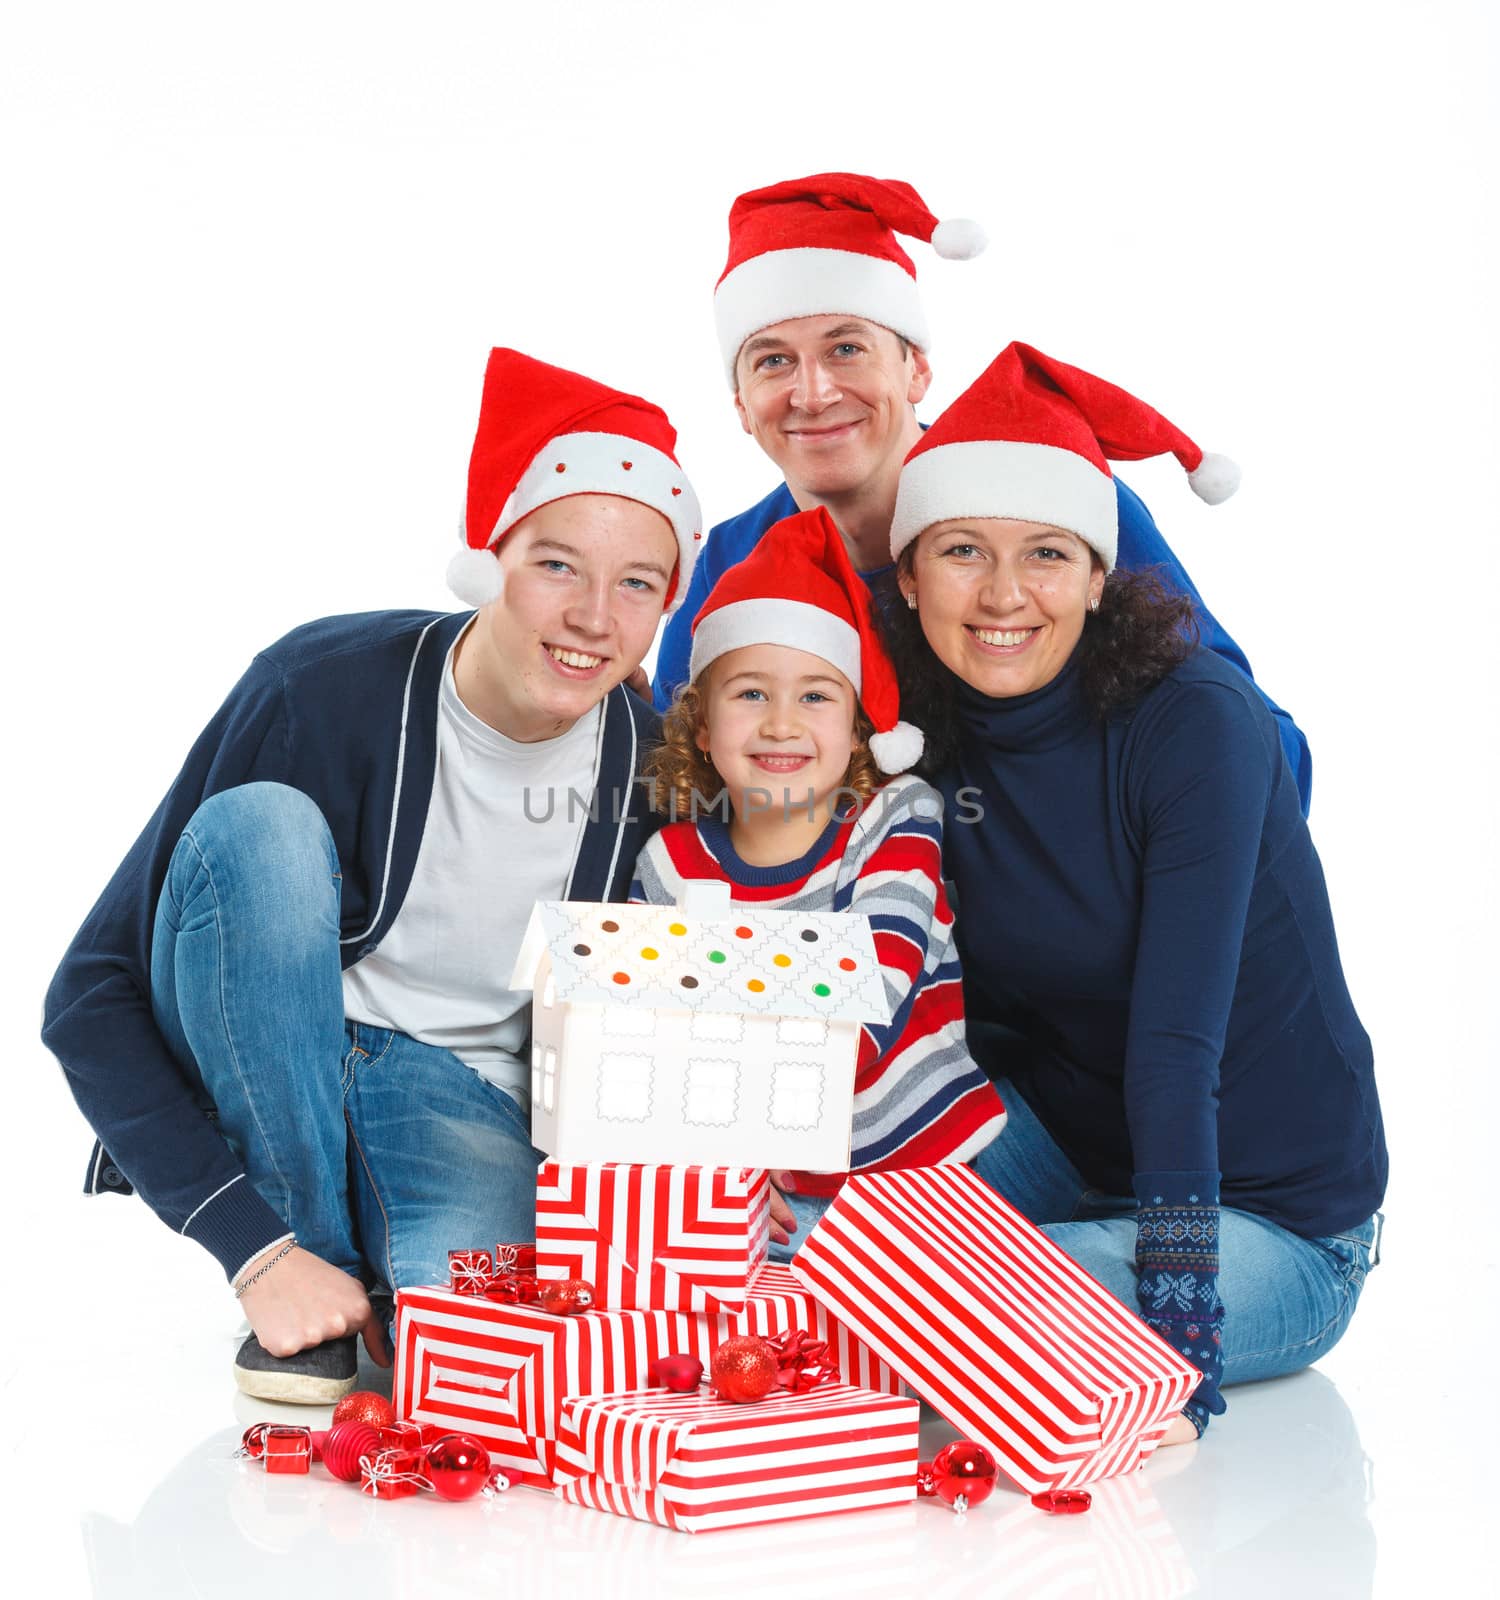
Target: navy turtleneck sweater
(1141,899)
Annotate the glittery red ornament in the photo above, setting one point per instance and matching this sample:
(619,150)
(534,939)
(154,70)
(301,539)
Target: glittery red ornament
(744,1368)
(364,1405)
(1063,1502)
(565,1299)
(344,1444)
(458,1467)
(680,1374)
(253,1442)
(963,1474)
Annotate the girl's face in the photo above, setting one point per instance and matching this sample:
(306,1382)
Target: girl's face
(1002,602)
(778,723)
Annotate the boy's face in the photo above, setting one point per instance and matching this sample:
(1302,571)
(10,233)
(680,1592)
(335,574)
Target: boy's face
(830,400)
(585,582)
(778,723)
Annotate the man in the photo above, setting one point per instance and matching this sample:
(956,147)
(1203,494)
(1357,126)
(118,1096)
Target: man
(824,343)
(286,1017)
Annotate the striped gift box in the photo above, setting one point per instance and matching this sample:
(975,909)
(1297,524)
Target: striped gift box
(501,1372)
(994,1325)
(692,1462)
(654,1238)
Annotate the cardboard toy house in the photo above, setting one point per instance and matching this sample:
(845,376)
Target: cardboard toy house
(705,1033)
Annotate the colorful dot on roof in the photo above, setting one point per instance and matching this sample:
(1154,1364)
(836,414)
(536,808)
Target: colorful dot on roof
(610,927)
(648,953)
(847,965)
(678,929)
(810,934)
(622,977)
(755,986)
(782,961)
(743,933)
(716,955)
(690,983)
(581,950)
(822,990)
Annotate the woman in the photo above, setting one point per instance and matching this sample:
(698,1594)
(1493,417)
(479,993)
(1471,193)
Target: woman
(1149,959)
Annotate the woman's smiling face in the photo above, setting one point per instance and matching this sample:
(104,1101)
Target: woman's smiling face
(1002,602)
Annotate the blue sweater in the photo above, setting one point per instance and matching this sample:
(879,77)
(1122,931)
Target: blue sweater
(1141,545)
(1141,900)
(346,711)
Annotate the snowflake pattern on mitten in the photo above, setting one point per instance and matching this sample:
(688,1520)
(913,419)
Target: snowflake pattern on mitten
(1177,1291)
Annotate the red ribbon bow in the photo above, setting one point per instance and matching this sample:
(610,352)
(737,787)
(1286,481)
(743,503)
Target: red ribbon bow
(800,1361)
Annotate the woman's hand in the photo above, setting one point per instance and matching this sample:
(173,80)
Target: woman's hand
(783,1218)
(304,1301)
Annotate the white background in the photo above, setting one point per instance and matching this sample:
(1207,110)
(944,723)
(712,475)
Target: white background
(254,259)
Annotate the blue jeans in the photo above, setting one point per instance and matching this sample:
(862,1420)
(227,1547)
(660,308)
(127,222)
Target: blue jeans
(381,1153)
(1287,1299)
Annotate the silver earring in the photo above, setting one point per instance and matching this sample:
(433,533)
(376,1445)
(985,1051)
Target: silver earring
(1094,603)
(911,602)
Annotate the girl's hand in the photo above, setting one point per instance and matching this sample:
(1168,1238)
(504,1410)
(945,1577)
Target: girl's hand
(783,1218)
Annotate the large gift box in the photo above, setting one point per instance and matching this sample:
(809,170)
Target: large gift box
(693,1462)
(502,1372)
(654,1238)
(994,1325)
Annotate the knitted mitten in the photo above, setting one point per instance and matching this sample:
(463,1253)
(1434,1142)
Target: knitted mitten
(1177,1254)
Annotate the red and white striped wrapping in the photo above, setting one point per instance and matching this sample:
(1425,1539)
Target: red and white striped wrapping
(654,1238)
(501,1372)
(995,1326)
(692,1462)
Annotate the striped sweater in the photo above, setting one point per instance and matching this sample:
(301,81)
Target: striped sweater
(919,1099)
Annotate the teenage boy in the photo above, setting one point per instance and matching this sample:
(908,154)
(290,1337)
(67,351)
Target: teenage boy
(287,1016)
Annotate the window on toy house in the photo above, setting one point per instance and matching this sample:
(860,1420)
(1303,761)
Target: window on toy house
(624,1087)
(629,1021)
(536,1074)
(711,1093)
(549,991)
(549,1079)
(804,1032)
(796,1094)
(716,1027)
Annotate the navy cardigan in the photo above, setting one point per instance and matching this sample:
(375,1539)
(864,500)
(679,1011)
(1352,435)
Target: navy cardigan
(344,709)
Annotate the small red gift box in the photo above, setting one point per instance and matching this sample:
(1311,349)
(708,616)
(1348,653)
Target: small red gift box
(500,1372)
(469,1270)
(693,1463)
(654,1238)
(994,1325)
(288,1450)
(390,1474)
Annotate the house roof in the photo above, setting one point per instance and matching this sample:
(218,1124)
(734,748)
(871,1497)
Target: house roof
(768,963)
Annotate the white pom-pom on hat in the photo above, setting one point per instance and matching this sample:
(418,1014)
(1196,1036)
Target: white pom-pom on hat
(959,239)
(1215,478)
(475,576)
(899,749)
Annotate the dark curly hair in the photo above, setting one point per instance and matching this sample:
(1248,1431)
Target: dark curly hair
(1141,631)
(682,783)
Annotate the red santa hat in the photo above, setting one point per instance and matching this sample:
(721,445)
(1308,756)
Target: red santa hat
(827,244)
(545,434)
(798,588)
(1032,438)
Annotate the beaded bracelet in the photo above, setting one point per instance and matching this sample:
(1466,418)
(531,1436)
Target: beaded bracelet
(266,1266)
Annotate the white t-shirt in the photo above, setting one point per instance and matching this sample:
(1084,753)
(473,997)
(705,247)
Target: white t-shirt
(503,829)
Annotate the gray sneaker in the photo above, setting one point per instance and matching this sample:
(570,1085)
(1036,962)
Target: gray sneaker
(315,1377)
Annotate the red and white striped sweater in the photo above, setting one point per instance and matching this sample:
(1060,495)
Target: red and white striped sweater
(919,1098)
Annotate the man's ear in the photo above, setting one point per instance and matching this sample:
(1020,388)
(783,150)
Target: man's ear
(921,375)
(739,406)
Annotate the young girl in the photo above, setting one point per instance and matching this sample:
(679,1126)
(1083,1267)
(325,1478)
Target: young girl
(772,761)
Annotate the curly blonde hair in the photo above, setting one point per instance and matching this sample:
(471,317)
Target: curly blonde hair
(683,783)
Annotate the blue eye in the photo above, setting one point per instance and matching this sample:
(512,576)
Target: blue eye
(1050,553)
(962,551)
(552,564)
(815,696)
(641,585)
(765,361)
(751,694)
(852,349)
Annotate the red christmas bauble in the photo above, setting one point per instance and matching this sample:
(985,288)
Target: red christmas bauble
(344,1444)
(744,1368)
(457,1467)
(680,1374)
(1063,1502)
(253,1442)
(364,1405)
(963,1474)
(565,1299)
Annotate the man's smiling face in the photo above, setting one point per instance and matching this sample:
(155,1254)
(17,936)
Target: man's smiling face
(829,400)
